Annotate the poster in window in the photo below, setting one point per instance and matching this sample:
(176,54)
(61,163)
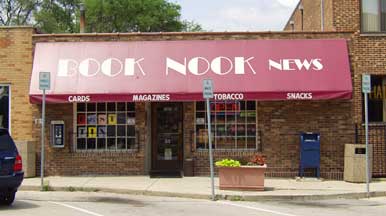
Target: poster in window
(251,130)
(168,154)
(92,119)
(202,135)
(121,118)
(131,121)
(102,132)
(112,119)
(81,119)
(102,119)
(200,121)
(4,107)
(91,132)
(82,132)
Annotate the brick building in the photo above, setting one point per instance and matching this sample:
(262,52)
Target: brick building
(277,123)
(16,53)
(131,144)
(365,18)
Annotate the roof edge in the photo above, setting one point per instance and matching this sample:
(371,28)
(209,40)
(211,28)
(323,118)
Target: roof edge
(187,33)
(17,27)
(292,14)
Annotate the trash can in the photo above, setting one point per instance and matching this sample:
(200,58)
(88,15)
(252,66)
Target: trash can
(189,167)
(355,163)
(309,152)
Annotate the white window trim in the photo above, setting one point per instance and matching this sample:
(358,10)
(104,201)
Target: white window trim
(106,150)
(228,150)
(370,33)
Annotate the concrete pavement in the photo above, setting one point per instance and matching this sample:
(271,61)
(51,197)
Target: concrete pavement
(104,204)
(199,187)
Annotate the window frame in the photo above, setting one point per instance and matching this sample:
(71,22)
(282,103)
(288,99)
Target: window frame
(380,21)
(106,149)
(9,106)
(257,138)
(383,101)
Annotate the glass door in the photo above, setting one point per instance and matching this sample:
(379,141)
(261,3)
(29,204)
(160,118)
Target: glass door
(167,139)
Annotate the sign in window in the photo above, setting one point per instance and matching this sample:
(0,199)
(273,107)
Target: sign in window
(105,126)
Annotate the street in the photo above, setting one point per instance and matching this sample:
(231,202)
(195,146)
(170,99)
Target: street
(103,204)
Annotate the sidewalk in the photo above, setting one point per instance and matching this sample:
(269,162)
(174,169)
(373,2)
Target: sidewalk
(199,187)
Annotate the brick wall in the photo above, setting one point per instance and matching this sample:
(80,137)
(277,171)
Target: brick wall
(346,15)
(15,70)
(367,52)
(67,161)
(312,16)
(368,56)
(281,123)
(339,15)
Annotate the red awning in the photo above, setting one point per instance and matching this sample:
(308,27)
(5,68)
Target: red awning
(174,70)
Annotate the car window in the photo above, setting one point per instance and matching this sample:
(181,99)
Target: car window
(6,142)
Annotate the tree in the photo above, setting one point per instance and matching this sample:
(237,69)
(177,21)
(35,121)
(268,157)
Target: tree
(132,15)
(56,16)
(16,12)
(191,26)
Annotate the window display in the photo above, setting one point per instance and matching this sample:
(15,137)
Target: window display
(233,125)
(105,126)
(377,99)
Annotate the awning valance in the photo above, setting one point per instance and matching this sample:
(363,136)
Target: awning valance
(174,70)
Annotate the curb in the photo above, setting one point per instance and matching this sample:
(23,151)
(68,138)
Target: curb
(261,198)
(359,195)
(118,191)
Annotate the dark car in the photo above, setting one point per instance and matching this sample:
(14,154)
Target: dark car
(11,168)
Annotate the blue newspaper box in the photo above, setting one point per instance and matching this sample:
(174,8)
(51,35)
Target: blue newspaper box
(310,152)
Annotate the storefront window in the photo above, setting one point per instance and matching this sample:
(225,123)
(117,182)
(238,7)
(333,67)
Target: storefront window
(105,126)
(233,125)
(373,15)
(377,99)
(4,107)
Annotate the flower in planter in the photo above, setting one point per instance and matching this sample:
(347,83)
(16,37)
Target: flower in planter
(228,163)
(257,160)
(232,176)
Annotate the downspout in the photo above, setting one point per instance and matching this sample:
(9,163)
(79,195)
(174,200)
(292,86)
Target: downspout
(322,14)
(301,8)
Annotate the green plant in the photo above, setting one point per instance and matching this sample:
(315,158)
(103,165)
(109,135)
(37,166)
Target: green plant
(235,198)
(228,163)
(46,186)
(71,189)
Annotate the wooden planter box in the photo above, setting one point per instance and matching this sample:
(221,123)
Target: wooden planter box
(242,178)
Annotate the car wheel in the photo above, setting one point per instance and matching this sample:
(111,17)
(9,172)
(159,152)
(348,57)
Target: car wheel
(8,198)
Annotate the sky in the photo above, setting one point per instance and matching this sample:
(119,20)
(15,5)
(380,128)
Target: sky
(238,15)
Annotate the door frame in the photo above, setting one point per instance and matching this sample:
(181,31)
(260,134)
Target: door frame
(153,140)
(9,106)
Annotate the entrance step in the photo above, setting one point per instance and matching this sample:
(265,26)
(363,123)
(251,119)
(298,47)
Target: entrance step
(165,174)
